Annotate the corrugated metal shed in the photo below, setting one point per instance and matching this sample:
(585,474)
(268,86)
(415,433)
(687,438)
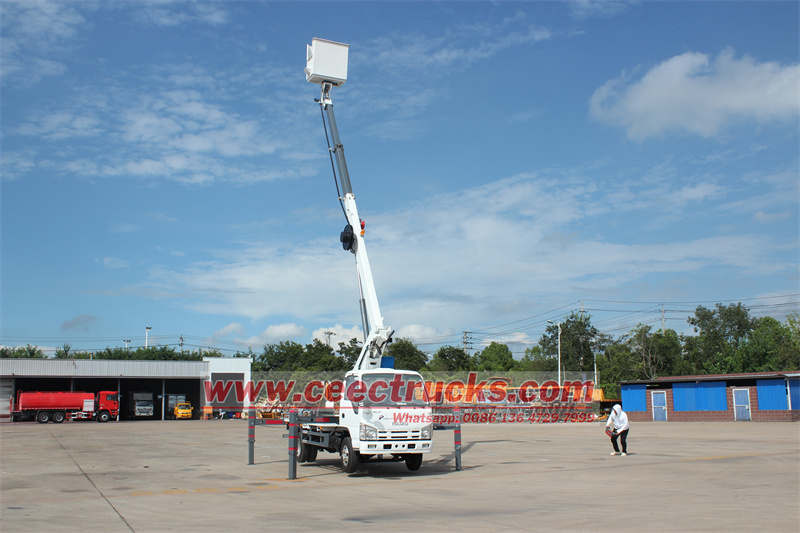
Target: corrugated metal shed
(772,394)
(703,396)
(633,397)
(103,368)
(718,377)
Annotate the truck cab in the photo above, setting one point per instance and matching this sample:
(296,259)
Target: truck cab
(387,412)
(183,410)
(141,405)
(383,415)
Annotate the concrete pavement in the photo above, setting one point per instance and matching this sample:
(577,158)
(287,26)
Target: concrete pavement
(192,475)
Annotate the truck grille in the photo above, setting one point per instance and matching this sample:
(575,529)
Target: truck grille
(399,434)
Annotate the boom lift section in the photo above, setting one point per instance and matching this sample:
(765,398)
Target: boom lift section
(376,334)
(374,426)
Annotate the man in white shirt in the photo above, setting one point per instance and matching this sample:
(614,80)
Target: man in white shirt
(620,421)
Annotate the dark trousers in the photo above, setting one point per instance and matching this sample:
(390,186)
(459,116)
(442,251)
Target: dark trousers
(623,439)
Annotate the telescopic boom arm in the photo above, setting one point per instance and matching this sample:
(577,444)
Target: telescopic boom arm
(377,336)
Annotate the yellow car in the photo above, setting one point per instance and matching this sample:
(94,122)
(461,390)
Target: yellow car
(183,410)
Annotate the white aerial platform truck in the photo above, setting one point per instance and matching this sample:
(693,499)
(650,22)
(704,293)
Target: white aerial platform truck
(383,413)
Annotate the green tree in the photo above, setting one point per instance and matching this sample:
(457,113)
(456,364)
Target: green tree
(21,352)
(208,352)
(495,357)
(656,354)
(451,359)
(793,328)
(720,332)
(769,347)
(319,356)
(349,352)
(406,355)
(535,361)
(616,363)
(63,351)
(284,356)
(578,338)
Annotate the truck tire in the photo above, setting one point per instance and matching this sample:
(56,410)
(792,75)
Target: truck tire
(414,461)
(302,449)
(312,454)
(58,417)
(348,456)
(103,416)
(43,417)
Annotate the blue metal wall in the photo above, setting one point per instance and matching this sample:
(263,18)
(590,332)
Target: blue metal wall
(794,392)
(771,394)
(703,396)
(711,396)
(634,397)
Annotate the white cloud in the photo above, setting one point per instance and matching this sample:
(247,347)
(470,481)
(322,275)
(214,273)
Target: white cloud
(36,35)
(422,334)
(230,329)
(170,14)
(596,8)
(695,93)
(264,281)
(14,164)
(61,125)
(768,218)
(517,341)
(482,252)
(276,333)
(115,262)
(338,333)
(80,323)
(154,131)
(124,228)
(428,54)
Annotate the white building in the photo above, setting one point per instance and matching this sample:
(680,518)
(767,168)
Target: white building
(166,380)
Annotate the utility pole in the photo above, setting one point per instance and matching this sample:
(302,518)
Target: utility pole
(181,344)
(559,349)
(662,319)
(146,333)
(466,341)
(328,335)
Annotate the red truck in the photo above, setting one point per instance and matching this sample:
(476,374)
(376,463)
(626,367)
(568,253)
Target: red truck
(60,406)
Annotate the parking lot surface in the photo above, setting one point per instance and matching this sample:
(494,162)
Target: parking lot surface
(192,475)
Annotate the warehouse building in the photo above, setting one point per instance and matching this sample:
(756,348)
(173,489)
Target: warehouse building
(167,381)
(758,396)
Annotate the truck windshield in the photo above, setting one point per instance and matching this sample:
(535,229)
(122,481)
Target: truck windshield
(390,390)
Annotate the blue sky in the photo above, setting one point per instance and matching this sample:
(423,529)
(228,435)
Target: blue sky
(164,164)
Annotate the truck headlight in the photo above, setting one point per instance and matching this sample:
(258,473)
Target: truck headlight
(368,432)
(425,433)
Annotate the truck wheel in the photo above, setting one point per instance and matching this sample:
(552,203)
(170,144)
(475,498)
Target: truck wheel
(312,454)
(414,461)
(103,416)
(302,449)
(349,456)
(43,417)
(58,417)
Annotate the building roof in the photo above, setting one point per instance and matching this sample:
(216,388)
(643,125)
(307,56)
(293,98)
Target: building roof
(721,377)
(104,368)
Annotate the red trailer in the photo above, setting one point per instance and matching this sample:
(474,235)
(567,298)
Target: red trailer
(60,406)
